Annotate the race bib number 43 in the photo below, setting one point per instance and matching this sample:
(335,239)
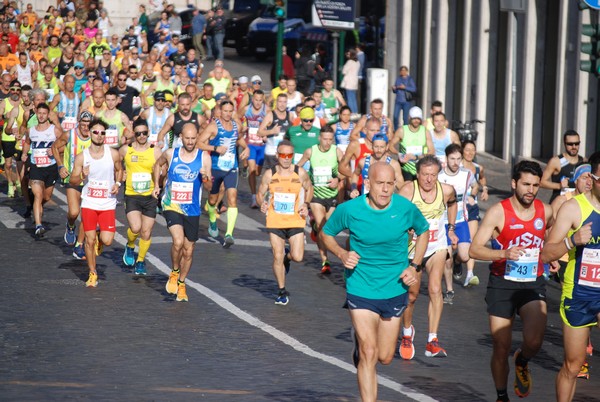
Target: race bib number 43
(525,269)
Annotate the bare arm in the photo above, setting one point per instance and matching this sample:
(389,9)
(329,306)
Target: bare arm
(77,174)
(344,166)
(165,129)
(552,168)
(555,245)
(262,190)
(160,162)
(305,157)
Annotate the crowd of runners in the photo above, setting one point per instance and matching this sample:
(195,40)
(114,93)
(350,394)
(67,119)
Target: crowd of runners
(92,115)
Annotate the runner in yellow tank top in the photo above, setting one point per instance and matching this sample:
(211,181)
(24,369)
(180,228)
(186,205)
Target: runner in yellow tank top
(140,206)
(284,194)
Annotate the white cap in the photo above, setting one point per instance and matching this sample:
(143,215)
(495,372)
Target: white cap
(243,79)
(415,112)
(256,78)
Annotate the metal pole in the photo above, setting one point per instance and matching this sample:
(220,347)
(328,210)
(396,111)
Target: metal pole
(336,37)
(279,49)
(513,99)
(341,56)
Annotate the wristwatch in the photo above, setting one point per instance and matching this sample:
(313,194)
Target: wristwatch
(417,267)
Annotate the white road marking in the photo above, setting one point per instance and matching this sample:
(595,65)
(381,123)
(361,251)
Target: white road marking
(272,331)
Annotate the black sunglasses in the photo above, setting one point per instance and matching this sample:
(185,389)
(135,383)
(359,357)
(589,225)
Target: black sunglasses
(139,133)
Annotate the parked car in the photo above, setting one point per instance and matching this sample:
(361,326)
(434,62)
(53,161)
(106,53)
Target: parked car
(238,21)
(262,36)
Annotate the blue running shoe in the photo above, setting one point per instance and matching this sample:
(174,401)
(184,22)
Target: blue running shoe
(213,230)
(128,257)
(70,236)
(79,252)
(140,268)
(39,231)
(282,298)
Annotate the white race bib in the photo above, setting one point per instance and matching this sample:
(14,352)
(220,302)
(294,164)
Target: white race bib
(589,274)
(112,136)
(69,123)
(322,175)
(283,203)
(524,269)
(141,181)
(41,157)
(98,189)
(181,192)
(416,150)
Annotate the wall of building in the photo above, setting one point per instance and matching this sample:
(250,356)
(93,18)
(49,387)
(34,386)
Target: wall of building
(459,52)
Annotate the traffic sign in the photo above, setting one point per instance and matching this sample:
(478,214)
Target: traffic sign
(593,3)
(337,15)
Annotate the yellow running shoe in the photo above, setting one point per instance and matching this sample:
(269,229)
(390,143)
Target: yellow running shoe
(171,285)
(92,281)
(522,378)
(584,372)
(181,293)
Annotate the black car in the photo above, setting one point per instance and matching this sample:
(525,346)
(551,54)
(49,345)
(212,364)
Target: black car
(238,21)
(186,16)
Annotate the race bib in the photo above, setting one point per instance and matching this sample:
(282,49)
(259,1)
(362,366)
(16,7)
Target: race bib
(50,93)
(434,230)
(589,274)
(41,158)
(97,189)
(283,203)
(322,175)
(112,136)
(226,161)
(416,150)
(153,138)
(137,102)
(181,192)
(69,123)
(524,269)
(141,182)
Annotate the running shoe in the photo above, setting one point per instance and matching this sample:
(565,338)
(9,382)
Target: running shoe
(407,347)
(457,270)
(584,372)
(433,349)
(449,297)
(355,349)
(589,349)
(129,257)
(282,298)
(79,252)
(140,268)
(171,286)
(213,229)
(18,188)
(229,241)
(70,236)
(286,260)
(522,378)
(181,293)
(11,190)
(253,205)
(245,172)
(39,230)
(98,245)
(326,268)
(92,281)
(471,281)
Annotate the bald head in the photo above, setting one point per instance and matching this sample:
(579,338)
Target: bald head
(381,170)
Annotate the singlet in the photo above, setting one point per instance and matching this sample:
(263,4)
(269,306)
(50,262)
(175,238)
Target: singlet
(238,98)
(155,123)
(293,101)
(138,165)
(566,170)
(323,168)
(364,151)
(146,83)
(581,280)
(24,75)
(178,123)
(413,143)
(96,193)
(74,147)
(115,128)
(210,103)
(183,190)
(364,173)
(461,182)
(227,138)
(527,234)
(105,71)
(253,121)
(51,88)
(286,196)
(63,66)
(440,145)
(8,107)
(434,213)
(53,53)
(70,107)
(330,102)
(17,123)
(161,86)
(41,143)
(274,140)
(342,136)
(384,124)
(302,140)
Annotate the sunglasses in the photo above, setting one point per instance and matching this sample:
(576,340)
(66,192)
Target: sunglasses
(572,144)
(15,89)
(139,133)
(78,68)
(92,76)
(596,178)
(121,79)
(286,156)
(99,132)
(307,121)
(256,82)
(235,83)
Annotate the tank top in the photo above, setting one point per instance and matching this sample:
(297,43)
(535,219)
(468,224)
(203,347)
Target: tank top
(238,98)
(178,123)
(413,143)
(138,165)
(70,107)
(364,173)
(253,121)
(527,234)
(209,103)
(364,151)
(17,123)
(342,136)
(96,193)
(146,83)
(24,75)
(64,66)
(323,168)
(161,86)
(183,191)
(74,147)
(8,107)
(227,138)
(440,145)
(434,213)
(461,181)
(286,194)
(274,140)
(41,143)
(115,128)
(155,123)
(566,170)
(330,102)
(293,101)
(581,280)
(105,71)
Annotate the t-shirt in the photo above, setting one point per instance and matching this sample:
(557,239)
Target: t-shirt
(380,238)
(130,102)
